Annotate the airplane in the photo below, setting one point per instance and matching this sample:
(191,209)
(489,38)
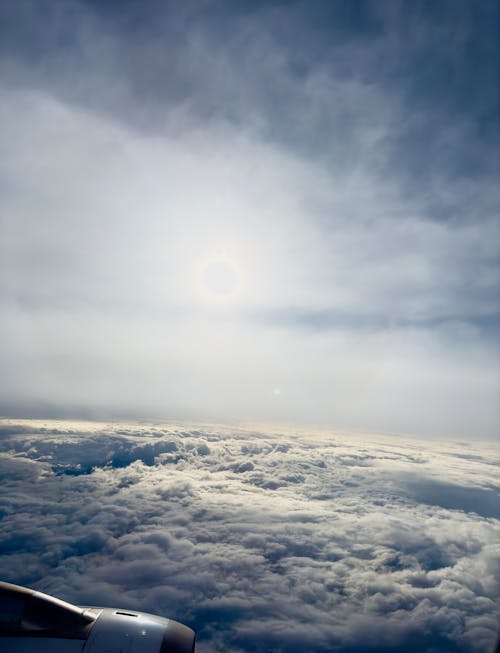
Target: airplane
(33,622)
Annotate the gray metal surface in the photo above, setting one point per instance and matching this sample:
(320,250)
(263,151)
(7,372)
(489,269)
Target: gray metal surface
(33,622)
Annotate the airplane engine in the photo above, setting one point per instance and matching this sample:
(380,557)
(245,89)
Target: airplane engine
(33,622)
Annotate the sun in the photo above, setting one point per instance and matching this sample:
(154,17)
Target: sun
(219,279)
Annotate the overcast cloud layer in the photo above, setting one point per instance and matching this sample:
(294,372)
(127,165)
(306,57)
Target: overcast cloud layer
(281,541)
(341,154)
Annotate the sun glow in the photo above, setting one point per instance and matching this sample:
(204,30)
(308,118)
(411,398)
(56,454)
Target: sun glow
(219,279)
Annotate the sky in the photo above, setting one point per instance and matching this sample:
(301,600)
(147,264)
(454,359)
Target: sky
(263,540)
(254,210)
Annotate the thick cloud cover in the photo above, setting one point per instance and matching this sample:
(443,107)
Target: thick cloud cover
(342,154)
(341,158)
(263,540)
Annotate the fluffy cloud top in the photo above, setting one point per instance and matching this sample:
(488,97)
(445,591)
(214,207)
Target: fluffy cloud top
(261,540)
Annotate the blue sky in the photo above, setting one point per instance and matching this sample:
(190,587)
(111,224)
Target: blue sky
(340,159)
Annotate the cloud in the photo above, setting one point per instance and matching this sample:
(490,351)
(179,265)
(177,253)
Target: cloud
(345,159)
(326,541)
(329,152)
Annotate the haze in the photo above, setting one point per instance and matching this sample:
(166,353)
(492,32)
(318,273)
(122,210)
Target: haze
(259,211)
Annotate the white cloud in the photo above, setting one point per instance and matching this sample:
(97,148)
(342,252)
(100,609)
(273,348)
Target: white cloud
(113,227)
(365,243)
(323,531)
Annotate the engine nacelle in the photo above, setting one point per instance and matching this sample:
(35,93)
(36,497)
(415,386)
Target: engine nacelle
(33,622)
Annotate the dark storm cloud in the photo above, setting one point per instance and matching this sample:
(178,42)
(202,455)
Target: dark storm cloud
(260,540)
(272,65)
